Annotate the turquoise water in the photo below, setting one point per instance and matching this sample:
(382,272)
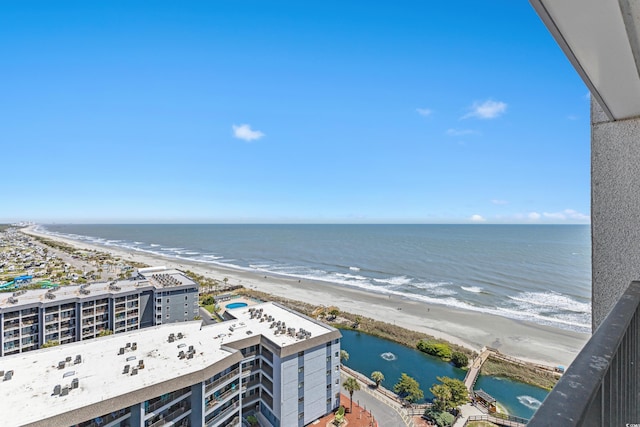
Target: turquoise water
(236,305)
(518,399)
(368,353)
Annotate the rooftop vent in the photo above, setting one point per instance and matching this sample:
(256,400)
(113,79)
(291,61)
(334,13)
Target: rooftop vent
(78,359)
(121,351)
(126,369)
(130,358)
(75,383)
(64,391)
(56,390)
(8,375)
(61,364)
(68,374)
(12,300)
(50,295)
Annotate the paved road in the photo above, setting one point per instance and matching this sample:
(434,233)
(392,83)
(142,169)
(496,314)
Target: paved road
(384,414)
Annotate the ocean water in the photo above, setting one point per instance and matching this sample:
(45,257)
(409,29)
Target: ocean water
(538,273)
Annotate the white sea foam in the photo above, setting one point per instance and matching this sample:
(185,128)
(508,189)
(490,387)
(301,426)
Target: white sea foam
(138,243)
(354,268)
(212,257)
(550,301)
(396,281)
(474,289)
(154,245)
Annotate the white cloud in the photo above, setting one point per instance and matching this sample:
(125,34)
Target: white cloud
(566,215)
(534,216)
(426,112)
(572,117)
(488,109)
(588,96)
(477,218)
(245,132)
(461,132)
(499,202)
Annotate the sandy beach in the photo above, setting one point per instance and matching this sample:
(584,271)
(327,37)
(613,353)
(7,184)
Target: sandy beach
(528,341)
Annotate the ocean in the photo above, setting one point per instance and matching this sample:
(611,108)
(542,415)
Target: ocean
(537,273)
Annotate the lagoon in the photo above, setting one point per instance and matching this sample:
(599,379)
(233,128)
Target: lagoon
(368,353)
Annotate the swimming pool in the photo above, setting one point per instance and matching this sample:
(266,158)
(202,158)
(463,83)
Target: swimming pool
(235,305)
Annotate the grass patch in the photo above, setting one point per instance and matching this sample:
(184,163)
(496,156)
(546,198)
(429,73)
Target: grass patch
(522,373)
(210,308)
(481,424)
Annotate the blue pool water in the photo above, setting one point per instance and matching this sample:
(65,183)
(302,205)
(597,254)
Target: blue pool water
(236,305)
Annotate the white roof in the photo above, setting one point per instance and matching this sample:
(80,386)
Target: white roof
(28,396)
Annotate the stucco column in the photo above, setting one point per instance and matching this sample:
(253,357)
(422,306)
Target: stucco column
(615,208)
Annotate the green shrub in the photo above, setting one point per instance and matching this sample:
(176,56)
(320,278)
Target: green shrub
(460,360)
(434,348)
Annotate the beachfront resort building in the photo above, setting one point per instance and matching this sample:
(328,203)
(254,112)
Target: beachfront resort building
(268,361)
(65,314)
(601,39)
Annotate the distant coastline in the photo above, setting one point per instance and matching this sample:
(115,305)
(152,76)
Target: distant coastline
(533,342)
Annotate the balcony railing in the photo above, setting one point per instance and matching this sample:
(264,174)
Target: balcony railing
(220,380)
(602,385)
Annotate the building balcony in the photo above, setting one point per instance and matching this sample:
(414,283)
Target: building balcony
(601,387)
(215,383)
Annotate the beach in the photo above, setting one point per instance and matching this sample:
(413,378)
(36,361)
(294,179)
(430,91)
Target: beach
(525,340)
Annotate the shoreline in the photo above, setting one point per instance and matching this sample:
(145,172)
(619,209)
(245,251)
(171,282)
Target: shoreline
(525,340)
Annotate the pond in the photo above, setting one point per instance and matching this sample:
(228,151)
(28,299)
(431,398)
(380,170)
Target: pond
(368,353)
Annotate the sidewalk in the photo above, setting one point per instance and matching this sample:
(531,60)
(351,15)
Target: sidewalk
(380,400)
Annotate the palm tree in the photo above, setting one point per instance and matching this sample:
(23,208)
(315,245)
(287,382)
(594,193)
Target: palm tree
(344,356)
(378,377)
(351,385)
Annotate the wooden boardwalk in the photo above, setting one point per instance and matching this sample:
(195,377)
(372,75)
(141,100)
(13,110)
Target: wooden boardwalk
(472,373)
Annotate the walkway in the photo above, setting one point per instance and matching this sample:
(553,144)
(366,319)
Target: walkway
(386,409)
(472,373)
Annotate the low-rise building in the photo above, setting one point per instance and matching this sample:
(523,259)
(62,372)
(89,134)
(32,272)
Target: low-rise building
(65,314)
(269,361)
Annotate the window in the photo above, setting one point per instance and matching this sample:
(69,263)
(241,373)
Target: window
(329,372)
(329,401)
(301,415)
(186,314)
(328,358)
(337,354)
(168,315)
(186,305)
(301,384)
(337,395)
(186,298)
(300,353)
(168,301)
(337,368)
(328,386)
(338,381)
(301,399)
(301,369)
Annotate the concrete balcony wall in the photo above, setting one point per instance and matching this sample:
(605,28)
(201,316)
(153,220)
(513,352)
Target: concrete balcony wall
(615,208)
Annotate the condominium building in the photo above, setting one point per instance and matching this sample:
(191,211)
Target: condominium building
(270,362)
(30,318)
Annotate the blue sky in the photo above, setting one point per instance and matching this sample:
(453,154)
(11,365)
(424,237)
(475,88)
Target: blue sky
(289,111)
